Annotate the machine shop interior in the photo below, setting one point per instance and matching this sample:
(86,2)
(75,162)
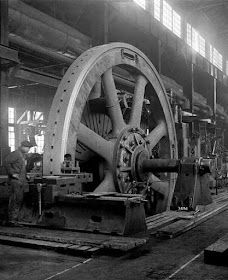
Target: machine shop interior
(114,139)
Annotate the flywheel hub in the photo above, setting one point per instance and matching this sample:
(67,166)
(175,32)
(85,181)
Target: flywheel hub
(131,148)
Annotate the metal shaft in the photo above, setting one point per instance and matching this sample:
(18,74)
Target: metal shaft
(160,165)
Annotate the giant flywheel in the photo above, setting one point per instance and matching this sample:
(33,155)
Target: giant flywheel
(110,113)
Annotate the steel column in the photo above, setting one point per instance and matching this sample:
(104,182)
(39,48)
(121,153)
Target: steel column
(214,99)
(3,80)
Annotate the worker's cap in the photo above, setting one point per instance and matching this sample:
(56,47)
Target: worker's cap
(26,144)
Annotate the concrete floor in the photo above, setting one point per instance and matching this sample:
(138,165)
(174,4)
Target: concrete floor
(180,258)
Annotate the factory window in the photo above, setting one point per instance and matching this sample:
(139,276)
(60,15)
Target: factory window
(176,24)
(11,129)
(171,19)
(189,34)
(157,9)
(167,15)
(211,54)
(11,138)
(11,115)
(38,116)
(202,46)
(141,3)
(216,58)
(196,41)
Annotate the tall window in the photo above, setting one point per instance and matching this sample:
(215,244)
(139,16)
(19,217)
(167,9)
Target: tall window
(11,115)
(167,15)
(176,24)
(195,40)
(211,54)
(216,58)
(189,34)
(202,46)
(171,19)
(141,3)
(11,128)
(157,9)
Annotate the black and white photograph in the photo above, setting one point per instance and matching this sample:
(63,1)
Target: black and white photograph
(114,140)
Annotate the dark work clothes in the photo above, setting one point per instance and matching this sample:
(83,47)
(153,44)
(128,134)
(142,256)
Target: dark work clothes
(15,163)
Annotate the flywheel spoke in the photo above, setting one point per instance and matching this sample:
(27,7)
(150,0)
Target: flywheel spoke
(107,185)
(95,142)
(159,186)
(112,102)
(157,133)
(139,91)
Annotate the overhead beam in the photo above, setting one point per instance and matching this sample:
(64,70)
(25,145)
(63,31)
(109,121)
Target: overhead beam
(38,27)
(43,51)
(38,77)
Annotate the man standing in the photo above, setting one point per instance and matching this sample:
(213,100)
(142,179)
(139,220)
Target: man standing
(15,164)
(67,164)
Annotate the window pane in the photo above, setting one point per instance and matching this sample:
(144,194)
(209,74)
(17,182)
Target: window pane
(11,115)
(11,138)
(141,3)
(176,24)
(38,116)
(202,46)
(217,59)
(189,34)
(220,62)
(211,54)
(157,7)
(195,40)
(167,15)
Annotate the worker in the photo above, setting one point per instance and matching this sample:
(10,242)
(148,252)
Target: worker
(15,164)
(67,164)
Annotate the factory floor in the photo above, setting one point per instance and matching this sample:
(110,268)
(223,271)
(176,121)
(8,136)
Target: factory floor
(180,258)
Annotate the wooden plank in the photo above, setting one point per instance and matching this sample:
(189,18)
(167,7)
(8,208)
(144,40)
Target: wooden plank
(173,229)
(73,243)
(217,253)
(70,249)
(170,217)
(93,250)
(158,216)
(82,250)
(184,225)
(31,243)
(161,223)
(123,246)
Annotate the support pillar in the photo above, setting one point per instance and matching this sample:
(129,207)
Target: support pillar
(214,100)
(188,92)
(4,96)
